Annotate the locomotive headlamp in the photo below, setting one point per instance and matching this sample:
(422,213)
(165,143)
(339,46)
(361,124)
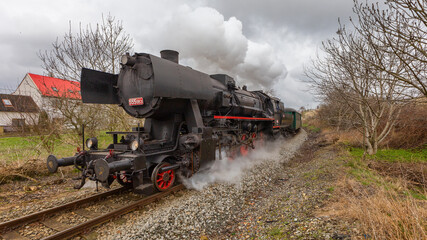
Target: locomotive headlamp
(92,143)
(134,145)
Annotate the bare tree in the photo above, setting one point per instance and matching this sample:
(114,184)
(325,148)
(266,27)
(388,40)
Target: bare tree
(74,115)
(400,31)
(98,48)
(371,94)
(376,68)
(335,112)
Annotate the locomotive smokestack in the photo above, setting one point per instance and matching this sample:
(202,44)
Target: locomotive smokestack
(170,55)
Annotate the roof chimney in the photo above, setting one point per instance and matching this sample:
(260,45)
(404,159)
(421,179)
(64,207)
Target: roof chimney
(170,55)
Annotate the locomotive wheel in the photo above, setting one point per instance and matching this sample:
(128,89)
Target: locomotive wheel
(195,164)
(254,139)
(162,181)
(244,149)
(259,140)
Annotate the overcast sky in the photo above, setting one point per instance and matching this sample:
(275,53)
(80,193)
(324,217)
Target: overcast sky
(263,44)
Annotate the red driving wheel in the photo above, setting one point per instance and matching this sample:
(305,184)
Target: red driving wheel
(255,140)
(162,181)
(244,147)
(260,140)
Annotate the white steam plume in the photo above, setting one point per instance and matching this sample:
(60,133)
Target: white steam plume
(231,171)
(209,43)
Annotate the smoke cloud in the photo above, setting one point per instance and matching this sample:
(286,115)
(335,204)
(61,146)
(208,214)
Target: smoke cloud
(209,43)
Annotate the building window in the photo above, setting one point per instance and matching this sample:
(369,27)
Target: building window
(7,103)
(18,122)
(55,89)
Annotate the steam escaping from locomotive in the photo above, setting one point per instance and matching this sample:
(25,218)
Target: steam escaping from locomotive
(189,116)
(221,46)
(232,171)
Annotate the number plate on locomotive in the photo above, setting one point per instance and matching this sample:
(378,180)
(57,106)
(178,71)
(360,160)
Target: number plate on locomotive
(136,101)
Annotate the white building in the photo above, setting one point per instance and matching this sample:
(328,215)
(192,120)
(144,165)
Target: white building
(16,111)
(42,89)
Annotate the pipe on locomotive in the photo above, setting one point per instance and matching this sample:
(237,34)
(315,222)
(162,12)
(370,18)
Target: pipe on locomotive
(103,168)
(53,163)
(170,55)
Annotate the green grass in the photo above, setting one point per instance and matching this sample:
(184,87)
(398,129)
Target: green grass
(417,194)
(27,147)
(13,148)
(275,231)
(311,128)
(360,171)
(394,155)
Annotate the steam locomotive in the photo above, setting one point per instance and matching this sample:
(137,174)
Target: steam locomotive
(191,119)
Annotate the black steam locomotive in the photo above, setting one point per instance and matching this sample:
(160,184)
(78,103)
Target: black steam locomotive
(191,119)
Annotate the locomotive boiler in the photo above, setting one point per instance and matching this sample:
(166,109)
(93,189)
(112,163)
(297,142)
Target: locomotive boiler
(191,119)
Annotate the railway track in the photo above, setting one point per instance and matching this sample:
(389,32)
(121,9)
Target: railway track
(7,228)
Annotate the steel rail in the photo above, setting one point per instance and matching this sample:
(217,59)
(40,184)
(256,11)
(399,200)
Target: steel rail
(76,230)
(40,215)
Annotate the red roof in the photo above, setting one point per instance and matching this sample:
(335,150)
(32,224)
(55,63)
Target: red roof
(55,87)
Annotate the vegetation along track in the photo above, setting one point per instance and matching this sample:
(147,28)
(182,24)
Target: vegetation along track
(9,228)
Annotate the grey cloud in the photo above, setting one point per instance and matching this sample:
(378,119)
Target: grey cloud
(318,17)
(257,42)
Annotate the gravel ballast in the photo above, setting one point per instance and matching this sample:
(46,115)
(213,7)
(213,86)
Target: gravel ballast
(218,201)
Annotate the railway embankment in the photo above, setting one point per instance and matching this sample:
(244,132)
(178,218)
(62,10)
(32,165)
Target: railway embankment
(303,187)
(280,196)
(307,188)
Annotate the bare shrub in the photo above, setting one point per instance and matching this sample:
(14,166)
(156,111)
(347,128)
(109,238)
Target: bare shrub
(411,128)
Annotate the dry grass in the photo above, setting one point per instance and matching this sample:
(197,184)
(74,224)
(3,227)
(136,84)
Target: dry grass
(349,137)
(410,130)
(381,200)
(22,169)
(413,173)
(383,214)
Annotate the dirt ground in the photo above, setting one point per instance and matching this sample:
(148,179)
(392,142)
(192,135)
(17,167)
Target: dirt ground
(298,203)
(290,208)
(20,197)
(295,206)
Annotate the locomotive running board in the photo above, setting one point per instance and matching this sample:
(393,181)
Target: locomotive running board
(244,118)
(98,87)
